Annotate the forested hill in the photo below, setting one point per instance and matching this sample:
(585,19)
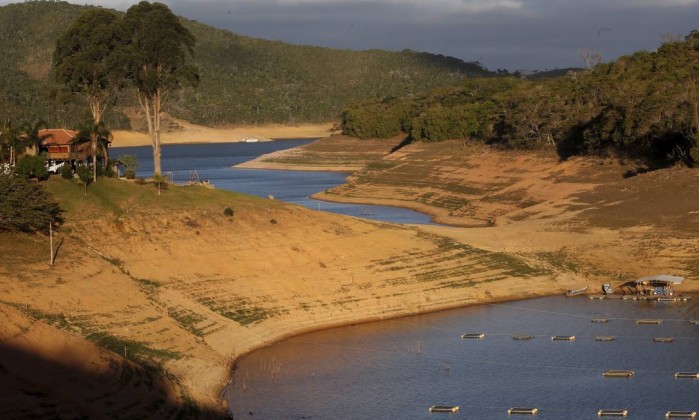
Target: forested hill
(243,80)
(643,105)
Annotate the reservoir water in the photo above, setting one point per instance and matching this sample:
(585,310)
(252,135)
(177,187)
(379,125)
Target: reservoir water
(213,162)
(397,369)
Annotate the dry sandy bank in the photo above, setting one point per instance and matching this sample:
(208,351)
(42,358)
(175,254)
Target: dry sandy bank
(192,133)
(195,289)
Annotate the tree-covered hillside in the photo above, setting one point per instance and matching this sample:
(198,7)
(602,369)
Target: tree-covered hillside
(643,105)
(243,80)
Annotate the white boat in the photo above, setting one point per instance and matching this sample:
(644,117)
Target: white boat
(576,292)
(249,140)
(607,289)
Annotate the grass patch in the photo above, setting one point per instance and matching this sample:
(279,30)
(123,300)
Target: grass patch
(241,310)
(130,349)
(559,260)
(187,320)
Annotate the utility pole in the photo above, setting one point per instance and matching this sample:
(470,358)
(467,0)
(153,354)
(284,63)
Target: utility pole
(51,240)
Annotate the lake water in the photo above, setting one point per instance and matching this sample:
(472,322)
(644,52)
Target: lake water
(214,162)
(397,369)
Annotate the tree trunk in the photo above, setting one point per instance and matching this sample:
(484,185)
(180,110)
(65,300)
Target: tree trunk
(93,139)
(156,138)
(151,107)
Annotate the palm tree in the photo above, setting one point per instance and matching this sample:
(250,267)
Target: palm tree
(31,136)
(11,138)
(99,136)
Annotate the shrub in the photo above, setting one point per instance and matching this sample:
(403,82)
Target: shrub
(228,212)
(25,207)
(66,171)
(85,175)
(32,167)
(130,163)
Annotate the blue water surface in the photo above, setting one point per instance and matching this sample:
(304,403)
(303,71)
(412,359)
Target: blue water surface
(213,162)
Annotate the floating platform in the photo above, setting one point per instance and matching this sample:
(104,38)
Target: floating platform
(522,337)
(599,320)
(681,414)
(472,335)
(605,338)
(688,375)
(613,413)
(563,338)
(622,297)
(522,410)
(444,409)
(618,373)
(664,339)
(649,321)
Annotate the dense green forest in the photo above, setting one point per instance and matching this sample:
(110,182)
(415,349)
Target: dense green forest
(243,80)
(644,105)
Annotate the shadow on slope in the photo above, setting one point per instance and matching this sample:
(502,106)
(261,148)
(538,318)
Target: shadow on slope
(34,386)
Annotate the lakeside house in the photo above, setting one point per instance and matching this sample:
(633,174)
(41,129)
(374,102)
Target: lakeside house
(63,145)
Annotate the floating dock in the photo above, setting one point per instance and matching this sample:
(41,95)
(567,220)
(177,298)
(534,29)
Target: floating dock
(597,297)
(599,320)
(563,338)
(522,410)
(444,409)
(613,413)
(689,375)
(605,338)
(472,335)
(522,337)
(618,373)
(629,297)
(649,321)
(664,339)
(681,414)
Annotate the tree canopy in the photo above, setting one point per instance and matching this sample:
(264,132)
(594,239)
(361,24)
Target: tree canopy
(155,54)
(243,80)
(644,105)
(26,207)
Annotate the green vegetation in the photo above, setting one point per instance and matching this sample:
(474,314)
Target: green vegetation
(644,105)
(32,167)
(154,56)
(26,207)
(242,80)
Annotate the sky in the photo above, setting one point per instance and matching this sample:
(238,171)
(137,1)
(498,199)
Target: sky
(500,34)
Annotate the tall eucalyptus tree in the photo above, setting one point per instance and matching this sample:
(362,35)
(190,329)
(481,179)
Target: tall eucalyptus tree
(157,48)
(85,63)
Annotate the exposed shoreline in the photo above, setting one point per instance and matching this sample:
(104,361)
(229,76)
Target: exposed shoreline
(288,270)
(191,133)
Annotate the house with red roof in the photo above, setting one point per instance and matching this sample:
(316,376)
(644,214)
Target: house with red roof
(62,145)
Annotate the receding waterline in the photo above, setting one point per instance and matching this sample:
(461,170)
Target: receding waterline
(214,163)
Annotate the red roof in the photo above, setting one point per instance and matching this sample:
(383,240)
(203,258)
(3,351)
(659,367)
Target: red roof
(57,136)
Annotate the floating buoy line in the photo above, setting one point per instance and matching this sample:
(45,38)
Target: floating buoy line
(477,336)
